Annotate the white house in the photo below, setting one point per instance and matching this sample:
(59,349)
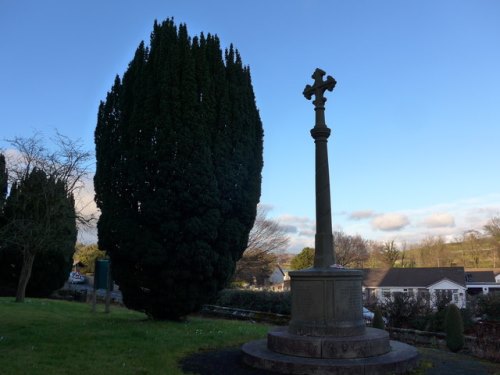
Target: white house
(279,279)
(427,282)
(277,276)
(380,284)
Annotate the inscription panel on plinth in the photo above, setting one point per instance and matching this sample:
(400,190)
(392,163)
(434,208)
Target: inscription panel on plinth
(329,300)
(348,304)
(307,300)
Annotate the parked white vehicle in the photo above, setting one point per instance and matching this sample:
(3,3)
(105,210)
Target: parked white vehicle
(76,278)
(369,315)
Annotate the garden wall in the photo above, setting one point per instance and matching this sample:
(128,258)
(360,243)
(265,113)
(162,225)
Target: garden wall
(481,347)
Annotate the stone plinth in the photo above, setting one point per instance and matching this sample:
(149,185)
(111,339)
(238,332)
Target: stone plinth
(327,302)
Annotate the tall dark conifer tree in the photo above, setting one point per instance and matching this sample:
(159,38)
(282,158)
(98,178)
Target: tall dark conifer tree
(179,161)
(3,183)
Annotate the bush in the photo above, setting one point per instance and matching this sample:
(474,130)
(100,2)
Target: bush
(437,321)
(437,317)
(489,305)
(273,302)
(378,322)
(467,318)
(404,310)
(454,329)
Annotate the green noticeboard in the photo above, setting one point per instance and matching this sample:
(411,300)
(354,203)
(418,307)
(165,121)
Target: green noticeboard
(101,274)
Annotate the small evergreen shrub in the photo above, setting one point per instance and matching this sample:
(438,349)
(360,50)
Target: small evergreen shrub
(257,300)
(378,321)
(454,328)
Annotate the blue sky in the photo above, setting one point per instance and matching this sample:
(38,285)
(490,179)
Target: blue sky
(415,115)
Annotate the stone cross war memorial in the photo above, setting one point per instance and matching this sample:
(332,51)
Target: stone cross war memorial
(327,333)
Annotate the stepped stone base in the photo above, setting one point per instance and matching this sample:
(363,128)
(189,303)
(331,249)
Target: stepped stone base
(401,359)
(327,333)
(372,343)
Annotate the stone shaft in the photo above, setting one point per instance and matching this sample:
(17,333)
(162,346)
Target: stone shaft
(324,255)
(324,252)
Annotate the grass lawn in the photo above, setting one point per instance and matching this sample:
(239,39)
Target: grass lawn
(55,337)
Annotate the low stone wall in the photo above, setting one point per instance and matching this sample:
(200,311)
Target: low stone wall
(242,314)
(487,348)
(414,337)
(481,347)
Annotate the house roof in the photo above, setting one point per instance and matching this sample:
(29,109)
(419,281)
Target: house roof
(280,269)
(479,277)
(411,277)
(496,271)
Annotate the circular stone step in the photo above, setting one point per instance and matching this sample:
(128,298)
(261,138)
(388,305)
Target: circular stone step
(372,343)
(401,359)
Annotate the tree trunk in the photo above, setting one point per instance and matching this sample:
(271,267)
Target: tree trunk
(25,275)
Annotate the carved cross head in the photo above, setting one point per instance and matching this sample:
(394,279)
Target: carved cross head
(319,87)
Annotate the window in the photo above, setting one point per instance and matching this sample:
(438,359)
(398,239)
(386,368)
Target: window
(423,293)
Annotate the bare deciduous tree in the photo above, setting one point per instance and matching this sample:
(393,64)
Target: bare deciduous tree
(266,238)
(350,250)
(472,246)
(69,163)
(433,253)
(407,258)
(492,229)
(389,254)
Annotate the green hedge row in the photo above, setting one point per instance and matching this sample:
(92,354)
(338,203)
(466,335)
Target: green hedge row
(257,300)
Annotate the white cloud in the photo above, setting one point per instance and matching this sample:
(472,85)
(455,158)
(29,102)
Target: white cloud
(303,225)
(303,236)
(287,218)
(84,200)
(439,220)
(85,205)
(390,222)
(87,235)
(307,232)
(467,214)
(289,228)
(298,243)
(360,215)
